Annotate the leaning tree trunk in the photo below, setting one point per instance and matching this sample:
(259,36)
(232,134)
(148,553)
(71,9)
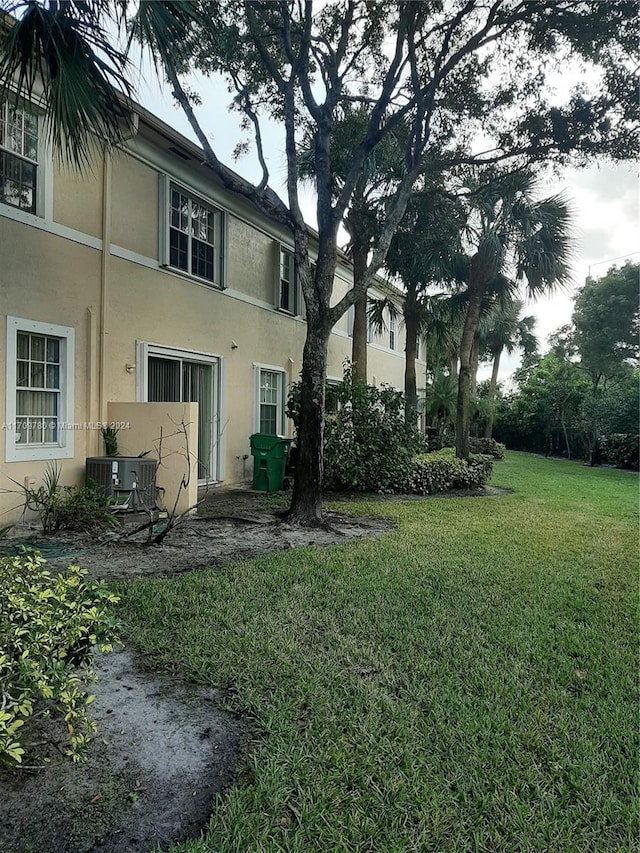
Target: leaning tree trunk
(410,311)
(493,384)
(359,255)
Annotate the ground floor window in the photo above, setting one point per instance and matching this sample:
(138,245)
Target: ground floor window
(271,390)
(39,391)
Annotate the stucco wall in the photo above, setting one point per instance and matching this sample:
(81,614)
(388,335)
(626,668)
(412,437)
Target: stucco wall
(134,206)
(77,198)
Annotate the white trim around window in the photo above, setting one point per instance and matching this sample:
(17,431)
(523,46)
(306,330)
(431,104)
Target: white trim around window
(193,234)
(286,284)
(277,392)
(39,375)
(26,157)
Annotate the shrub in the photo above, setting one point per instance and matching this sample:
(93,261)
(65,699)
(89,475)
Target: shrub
(487,447)
(368,446)
(622,449)
(47,628)
(78,509)
(442,471)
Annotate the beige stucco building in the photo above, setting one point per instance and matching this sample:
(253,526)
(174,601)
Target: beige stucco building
(145,282)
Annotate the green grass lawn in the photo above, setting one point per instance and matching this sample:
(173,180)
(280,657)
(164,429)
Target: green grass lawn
(467,683)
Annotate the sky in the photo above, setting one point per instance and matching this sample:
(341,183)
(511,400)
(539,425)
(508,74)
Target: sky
(605,198)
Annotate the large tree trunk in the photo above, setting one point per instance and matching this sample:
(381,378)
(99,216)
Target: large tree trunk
(453,363)
(493,384)
(410,311)
(306,501)
(359,342)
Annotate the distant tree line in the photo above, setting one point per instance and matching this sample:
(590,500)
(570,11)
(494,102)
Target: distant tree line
(581,399)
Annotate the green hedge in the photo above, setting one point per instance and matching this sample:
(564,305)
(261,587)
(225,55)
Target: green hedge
(487,447)
(442,471)
(48,625)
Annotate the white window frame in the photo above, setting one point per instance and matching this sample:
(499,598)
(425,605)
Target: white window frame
(283,390)
(294,285)
(145,349)
(44,173)
(63,447)
(167,183)
(393,333)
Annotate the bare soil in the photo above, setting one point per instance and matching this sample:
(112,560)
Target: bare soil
(164,748)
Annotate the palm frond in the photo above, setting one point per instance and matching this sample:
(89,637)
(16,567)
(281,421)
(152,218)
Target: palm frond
(168,30)
(62,57)
(378,310)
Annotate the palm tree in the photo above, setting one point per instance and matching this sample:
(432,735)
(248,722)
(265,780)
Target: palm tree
(504,329)
(441,402)
(424,254)
(517,237)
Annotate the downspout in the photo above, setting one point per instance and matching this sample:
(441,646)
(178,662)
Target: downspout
(104,281)
(105,267)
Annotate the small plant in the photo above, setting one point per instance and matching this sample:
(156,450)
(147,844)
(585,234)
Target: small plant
(78,509)
(48,626)
(110,436)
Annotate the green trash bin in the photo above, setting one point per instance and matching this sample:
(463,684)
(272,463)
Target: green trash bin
(270,454)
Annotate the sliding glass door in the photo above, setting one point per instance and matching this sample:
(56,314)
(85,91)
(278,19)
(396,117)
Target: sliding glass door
(174,379)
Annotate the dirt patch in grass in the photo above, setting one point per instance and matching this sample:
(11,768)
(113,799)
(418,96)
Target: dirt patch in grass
(162,751)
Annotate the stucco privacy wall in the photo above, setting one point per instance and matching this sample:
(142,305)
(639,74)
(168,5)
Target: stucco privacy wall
(170,432)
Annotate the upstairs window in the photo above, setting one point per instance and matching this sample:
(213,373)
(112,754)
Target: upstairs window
(287,287)
(195,236)
(351,319)
(18,157)
(392,332)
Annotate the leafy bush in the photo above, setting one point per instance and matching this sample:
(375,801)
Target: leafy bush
(368,446)
(47,628)
(79,509)
(442,471)
(622,449)
(487,447)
